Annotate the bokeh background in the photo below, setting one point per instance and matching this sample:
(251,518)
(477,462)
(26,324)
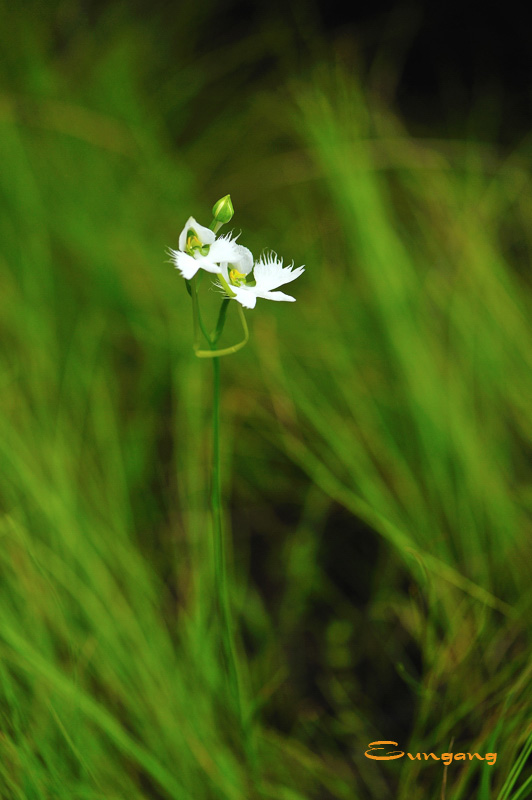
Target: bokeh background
(376,434)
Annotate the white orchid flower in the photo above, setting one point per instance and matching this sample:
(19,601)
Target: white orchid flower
(268,274)
(200,249)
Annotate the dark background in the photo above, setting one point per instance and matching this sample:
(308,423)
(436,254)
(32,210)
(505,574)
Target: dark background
(455,67)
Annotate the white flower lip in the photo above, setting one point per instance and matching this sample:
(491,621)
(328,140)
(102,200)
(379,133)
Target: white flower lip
(269,274)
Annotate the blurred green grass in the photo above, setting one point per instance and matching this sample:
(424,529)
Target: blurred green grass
(376,433)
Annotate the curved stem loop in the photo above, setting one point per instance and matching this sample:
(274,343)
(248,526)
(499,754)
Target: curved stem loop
(199,328)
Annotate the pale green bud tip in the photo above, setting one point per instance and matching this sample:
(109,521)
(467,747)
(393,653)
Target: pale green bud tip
(223,210)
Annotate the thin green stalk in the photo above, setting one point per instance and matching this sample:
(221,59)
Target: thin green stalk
(219,549)
(223,606)
(220,574)
(196,315)
(217,332)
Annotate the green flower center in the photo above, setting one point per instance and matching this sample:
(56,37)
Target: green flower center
(237,278)
(194,244)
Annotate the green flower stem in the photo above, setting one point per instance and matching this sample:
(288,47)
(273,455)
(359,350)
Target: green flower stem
(223,605)
(196,315)
(217,332)
(219,549)
(199,327)
(220,569)
(226,286)
(220,584)
(226,351)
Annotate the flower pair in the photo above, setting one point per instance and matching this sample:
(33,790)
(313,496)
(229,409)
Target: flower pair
(240,277)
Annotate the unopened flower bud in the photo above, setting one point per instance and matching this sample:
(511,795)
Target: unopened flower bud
(223,210)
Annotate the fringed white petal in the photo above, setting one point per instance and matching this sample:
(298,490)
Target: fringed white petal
(186,265)
(269,273)
(224,249)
